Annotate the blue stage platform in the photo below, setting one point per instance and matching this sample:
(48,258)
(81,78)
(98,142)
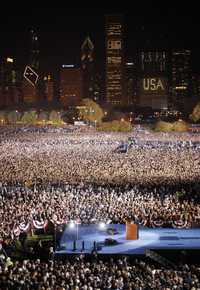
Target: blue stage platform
(159,238)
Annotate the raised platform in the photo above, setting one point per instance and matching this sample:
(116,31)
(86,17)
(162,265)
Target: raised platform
(160,238)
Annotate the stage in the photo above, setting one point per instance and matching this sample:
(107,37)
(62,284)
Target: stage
(156,238)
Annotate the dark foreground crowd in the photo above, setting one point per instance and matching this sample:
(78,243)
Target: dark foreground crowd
(89,170)
(83,274)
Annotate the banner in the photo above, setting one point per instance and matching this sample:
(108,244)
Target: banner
(179,224)
(24,227)
(40,224)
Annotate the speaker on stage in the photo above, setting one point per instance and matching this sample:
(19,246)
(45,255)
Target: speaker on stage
(132,231)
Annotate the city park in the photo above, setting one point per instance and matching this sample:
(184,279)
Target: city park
(91,113)
(66,192)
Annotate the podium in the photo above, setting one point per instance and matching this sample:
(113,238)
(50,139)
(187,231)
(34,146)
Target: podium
(132,231)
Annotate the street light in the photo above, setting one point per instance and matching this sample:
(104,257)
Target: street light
(9,59)
(78,222)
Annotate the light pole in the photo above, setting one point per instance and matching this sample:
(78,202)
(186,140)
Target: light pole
(78,222)
(77,231)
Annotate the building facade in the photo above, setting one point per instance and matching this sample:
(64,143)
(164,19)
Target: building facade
(153,87)
(87,66)
(49,88)
(114,60)
(181,78)
(8,83)
(30,89)
(130,82)
(29,93)
(71,85)
(34,51)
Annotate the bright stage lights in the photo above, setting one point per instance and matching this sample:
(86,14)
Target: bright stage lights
(71,224)
(102,225)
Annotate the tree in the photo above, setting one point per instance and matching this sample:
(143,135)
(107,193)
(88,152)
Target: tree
(29,117)
(3,118)
(91,111)
(115,126)
(162,126)
(195,116)
(43,117)
(70,115)
(55,117)
(13,117)
(180,126)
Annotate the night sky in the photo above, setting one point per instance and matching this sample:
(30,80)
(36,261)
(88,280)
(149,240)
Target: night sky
(62,30)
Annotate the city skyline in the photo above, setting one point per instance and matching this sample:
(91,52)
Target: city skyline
(62,31)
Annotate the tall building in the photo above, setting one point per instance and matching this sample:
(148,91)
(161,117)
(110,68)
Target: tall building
(181,78)
(70,85)
(30,93)
(130,82)
(194,96)
(87,65)
(8,81)
(34,51)
(98,87)
(153,79)
(114,60)
(49,88)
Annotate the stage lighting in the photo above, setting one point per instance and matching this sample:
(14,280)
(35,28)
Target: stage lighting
(71,224)
(102,225)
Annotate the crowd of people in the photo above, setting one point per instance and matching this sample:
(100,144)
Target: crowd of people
(56,176)
(22,208)
(83,274)
(97,183)
(89,157)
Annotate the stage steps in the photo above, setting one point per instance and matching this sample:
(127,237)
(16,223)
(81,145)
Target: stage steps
(159,259)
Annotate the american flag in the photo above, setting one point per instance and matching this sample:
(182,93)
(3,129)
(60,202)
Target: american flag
(78,222)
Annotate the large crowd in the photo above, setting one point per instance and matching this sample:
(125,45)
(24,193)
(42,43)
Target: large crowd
(82,274)
(89,157)
(65,176)
(55,176)
(89,203)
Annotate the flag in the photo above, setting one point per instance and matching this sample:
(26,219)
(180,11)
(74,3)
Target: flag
(78,222)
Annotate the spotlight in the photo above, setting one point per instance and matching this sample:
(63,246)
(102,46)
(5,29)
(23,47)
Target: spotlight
(71,224)
(102,225)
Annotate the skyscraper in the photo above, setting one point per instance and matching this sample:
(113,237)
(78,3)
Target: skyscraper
(130,82)
(70,85)
(34,51)
(48,90)
(181,78)
(30,93)
(87,65)
(153,79)
(8,81)
(195,88)
(114,60)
